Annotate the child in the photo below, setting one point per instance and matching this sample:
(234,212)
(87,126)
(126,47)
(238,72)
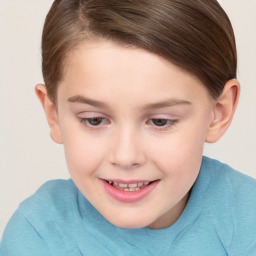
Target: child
(133,89)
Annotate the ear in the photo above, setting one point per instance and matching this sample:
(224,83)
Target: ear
(223,111)
(51,113)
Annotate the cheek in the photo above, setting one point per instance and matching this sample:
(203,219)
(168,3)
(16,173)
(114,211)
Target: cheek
(84,154)
(177,149)
(179,154)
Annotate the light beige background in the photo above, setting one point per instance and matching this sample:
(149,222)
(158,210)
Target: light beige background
(28,157)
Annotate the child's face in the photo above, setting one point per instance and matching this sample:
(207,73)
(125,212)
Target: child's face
(129,116)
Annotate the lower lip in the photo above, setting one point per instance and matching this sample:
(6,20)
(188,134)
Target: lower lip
(128,196)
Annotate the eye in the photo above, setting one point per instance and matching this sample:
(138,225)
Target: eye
(94,121)
(162,122)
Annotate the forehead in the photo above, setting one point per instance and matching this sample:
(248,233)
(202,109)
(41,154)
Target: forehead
(105,68)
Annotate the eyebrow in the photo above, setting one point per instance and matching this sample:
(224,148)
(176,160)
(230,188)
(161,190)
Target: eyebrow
(163,104)
(167,103)
(84,100)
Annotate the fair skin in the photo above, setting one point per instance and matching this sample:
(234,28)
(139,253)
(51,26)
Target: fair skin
(127,115)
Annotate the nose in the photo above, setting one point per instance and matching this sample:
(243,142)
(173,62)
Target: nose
(127,149)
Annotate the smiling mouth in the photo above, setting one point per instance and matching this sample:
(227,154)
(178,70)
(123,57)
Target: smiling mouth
(131,191)
(129,187)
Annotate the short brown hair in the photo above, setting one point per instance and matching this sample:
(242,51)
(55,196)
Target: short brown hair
(193,34)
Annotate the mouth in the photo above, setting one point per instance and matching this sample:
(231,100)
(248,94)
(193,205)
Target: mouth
(129,186)
(131,191)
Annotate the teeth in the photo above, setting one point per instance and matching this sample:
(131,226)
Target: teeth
(133,185)
(132,189)
(121,185)
(128,187)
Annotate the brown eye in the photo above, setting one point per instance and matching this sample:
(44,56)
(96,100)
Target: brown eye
(95,121)
(160,122)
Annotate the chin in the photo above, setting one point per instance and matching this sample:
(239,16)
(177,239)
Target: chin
(130,223)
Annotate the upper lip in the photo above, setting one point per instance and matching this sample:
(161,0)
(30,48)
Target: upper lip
(129,181)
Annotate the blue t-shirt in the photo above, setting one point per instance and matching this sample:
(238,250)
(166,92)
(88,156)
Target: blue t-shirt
(219,219)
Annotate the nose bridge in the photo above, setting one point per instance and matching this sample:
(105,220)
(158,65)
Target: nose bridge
(127,147)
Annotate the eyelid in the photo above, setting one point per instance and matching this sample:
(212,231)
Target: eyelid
(87,119)
(87,125)
(90,114)
(85,116)
(172,123)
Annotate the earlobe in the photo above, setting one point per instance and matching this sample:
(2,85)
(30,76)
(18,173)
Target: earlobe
(50,112)
(223,111)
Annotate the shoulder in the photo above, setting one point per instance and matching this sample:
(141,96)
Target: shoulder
(231,199)
(52,197)
(220,183)
(34,227)
(226,178)
(54,188)
(225,183)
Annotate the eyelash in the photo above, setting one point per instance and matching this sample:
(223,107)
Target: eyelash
(168,123)
(86,122)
